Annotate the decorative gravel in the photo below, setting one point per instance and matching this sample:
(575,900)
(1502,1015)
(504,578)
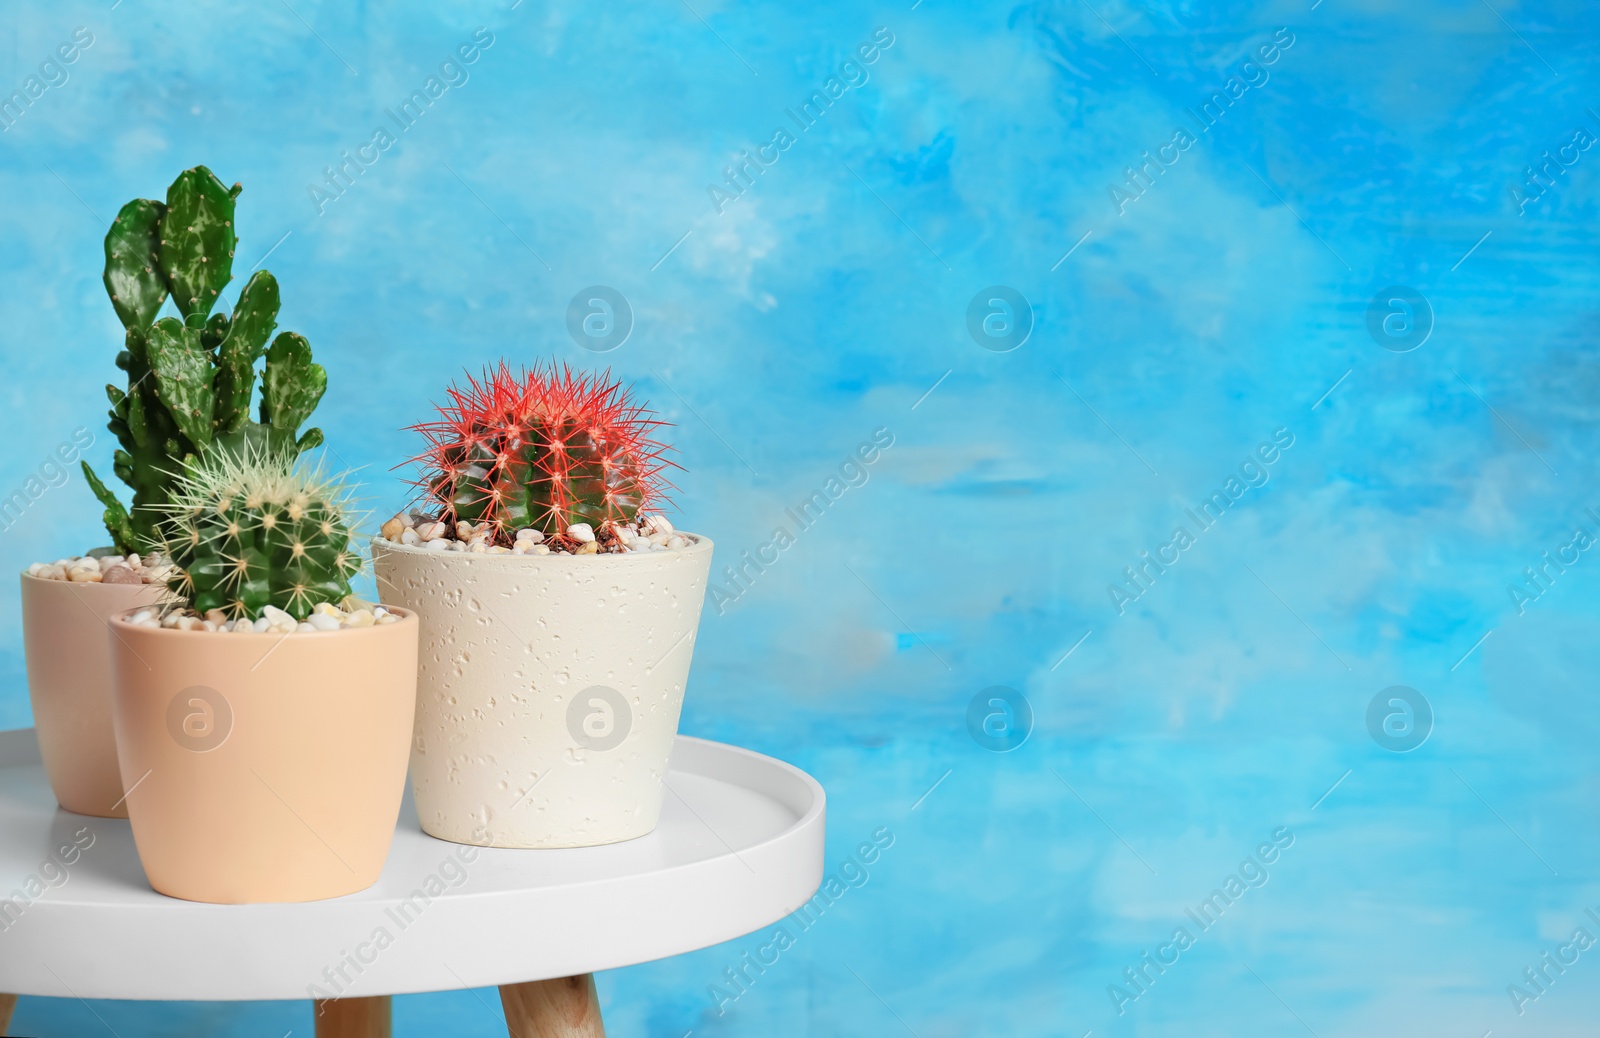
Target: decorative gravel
(107,569)
(324,617)
(650,533)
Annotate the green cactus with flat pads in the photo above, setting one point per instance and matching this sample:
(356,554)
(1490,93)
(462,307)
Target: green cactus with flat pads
(191,378)
(251,529)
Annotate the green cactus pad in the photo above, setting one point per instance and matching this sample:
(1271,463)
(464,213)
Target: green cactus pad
(197,241)
(133,276)
(291,385)
(183,375)
(118,525)
(254,317)
(216,330)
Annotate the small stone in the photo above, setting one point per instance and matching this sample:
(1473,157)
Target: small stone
(407,519)
(327,609)
(465,530)
(499,549)
(660,538)
(84,575)
(678,541)
(36,569)
(188,623)
(656,524)
(278,620)
(455,545)
(120,575)
(170,620)
(360,618)
(133,560)
(582,532)
(529,534)
(141,616)
(260,625)
(243,626)
(431,531)
(387,618)
(208,625)
(587,548)
(410,537)
(393,529)
(304,627)
(216,616)
(323,622)
(436,545)
(478,546)
(105,562)
(540,549)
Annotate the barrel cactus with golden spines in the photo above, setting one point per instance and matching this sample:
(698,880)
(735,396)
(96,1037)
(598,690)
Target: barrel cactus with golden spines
(253,528)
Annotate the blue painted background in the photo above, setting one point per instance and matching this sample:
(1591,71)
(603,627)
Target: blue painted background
(1174,329)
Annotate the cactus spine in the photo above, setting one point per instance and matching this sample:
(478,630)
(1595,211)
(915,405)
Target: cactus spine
(191,378)
(252,528)
(543,448)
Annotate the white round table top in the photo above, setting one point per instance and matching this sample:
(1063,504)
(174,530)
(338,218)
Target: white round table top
(739,846)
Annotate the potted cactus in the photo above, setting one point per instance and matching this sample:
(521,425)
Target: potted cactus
(263,720)
(190,381)
(558,612)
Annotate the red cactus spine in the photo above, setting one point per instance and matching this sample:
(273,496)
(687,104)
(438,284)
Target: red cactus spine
(542,448)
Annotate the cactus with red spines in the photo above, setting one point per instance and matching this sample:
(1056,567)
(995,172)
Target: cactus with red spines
(544,448)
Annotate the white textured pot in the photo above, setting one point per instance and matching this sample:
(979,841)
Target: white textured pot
(548,690)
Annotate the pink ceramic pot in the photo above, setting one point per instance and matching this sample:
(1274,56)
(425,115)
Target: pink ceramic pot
(64,633)
(263,767)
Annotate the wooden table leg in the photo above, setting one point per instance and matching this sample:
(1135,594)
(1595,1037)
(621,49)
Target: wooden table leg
(352,1017)
(7,1004)
(563,1008)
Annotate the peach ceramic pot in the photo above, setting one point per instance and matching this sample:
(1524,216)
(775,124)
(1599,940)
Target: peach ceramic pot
(69,682)
(263,767)
(549,689)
